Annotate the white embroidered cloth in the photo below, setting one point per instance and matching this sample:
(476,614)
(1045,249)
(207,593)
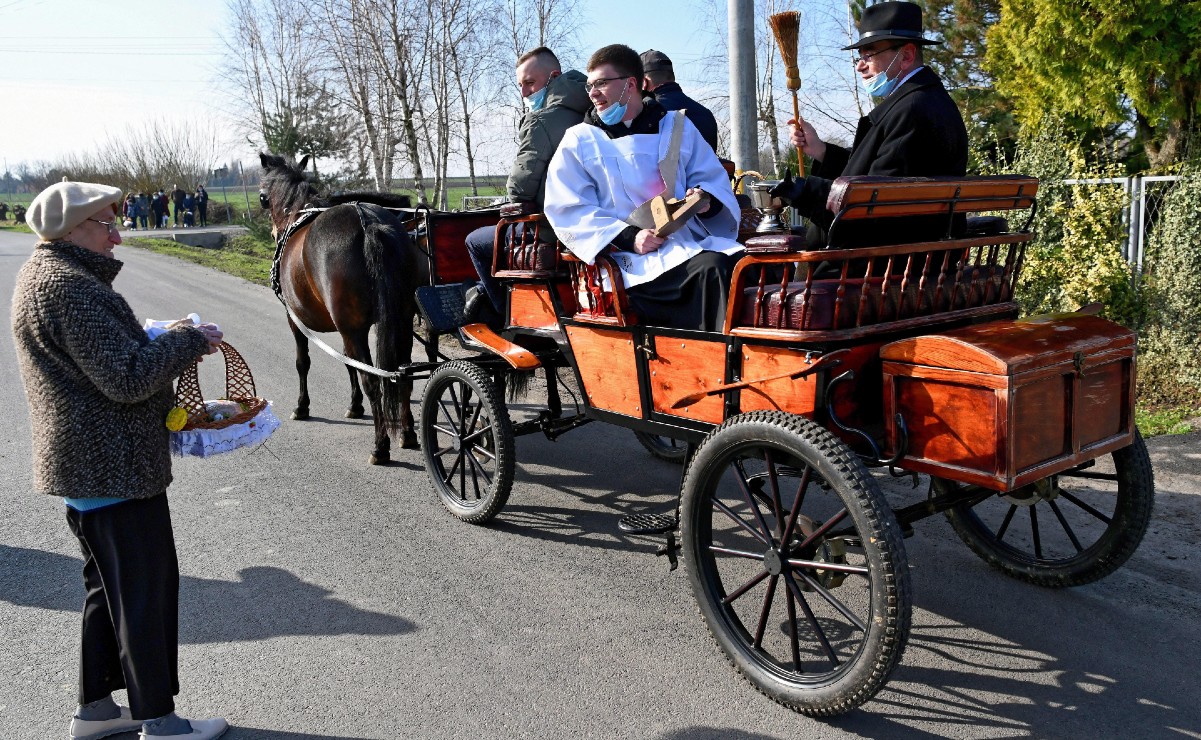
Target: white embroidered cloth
(209,442)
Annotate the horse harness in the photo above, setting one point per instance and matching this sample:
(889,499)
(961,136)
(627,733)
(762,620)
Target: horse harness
(304,217)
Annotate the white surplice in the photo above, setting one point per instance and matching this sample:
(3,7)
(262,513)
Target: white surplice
(594,183)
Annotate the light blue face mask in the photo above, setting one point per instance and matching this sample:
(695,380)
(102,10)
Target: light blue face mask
(880,85)
(615,112)
(536,101)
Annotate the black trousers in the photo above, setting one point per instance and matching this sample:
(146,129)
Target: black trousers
(130,637)
(688,296)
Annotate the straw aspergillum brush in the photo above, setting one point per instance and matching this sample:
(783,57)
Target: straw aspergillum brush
(787,26)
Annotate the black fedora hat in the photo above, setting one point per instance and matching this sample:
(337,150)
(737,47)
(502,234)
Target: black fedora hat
(891,21)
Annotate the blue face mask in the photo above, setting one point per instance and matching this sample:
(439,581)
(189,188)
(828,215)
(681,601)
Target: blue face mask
(536,101)
(615,112)
(880,85)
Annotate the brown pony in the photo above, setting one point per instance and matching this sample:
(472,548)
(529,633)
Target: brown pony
(350,268)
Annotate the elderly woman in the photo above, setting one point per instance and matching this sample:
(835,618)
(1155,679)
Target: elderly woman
(99,391)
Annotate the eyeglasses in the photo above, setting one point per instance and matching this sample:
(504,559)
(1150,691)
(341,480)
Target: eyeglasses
(590,86)
(110,225)
(868,56)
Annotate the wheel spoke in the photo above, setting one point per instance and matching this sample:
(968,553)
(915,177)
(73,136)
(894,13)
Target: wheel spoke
(730,598)
(747,494)
(736,553)
(451,473)
(817,628)
(833,600)
(483,451)
(794,639)
(765,610)
(820,531)
(774,481)
(796,504)
(1085,506)
(1066,527)
(739,521)
(1038,545)
(860,570)
(1005,523)
(448,432)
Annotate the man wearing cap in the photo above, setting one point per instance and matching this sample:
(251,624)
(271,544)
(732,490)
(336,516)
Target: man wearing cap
(554,102)
(659,79)
(915,130)
(99,390)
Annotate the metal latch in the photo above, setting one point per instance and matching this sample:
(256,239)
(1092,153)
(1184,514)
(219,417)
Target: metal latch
(1078,362)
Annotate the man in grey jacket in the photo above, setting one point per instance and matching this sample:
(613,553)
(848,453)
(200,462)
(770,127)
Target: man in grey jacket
(555,101)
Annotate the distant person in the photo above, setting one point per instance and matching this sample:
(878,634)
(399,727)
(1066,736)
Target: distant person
(189,206)
(99,390)
(177,198)
(3,211)
(129,212)
(202,205)
(554,101)
(143,209)
(19,213)
(157,204)
(659,79)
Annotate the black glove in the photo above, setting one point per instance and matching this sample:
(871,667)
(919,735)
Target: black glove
(787,189)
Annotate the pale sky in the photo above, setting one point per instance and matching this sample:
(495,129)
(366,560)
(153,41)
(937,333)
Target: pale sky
(74,72)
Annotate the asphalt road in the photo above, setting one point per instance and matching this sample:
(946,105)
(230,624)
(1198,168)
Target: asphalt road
(326,598)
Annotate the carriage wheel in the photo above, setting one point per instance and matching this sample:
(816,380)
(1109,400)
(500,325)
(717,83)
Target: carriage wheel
(664,448)
(796,562)
(1067,529)
(467,441)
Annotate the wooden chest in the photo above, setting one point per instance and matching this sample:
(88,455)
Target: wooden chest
(1006,403)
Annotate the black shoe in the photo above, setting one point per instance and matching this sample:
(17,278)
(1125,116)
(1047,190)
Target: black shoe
(473,304)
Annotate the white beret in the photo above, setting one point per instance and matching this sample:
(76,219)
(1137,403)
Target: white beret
(64,205)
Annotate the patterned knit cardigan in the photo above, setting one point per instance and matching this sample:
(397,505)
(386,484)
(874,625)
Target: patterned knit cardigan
(99,390)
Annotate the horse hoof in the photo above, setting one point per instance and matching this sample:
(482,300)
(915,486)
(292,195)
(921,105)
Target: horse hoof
(380,458)
(354,413)
(299,415)
(410,442)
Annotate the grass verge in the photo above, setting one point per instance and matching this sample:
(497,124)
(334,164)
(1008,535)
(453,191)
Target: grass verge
(243,256)
(1179,420)
(14,226)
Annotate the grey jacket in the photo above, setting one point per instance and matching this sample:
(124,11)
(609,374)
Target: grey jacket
(540,134)
(99,390)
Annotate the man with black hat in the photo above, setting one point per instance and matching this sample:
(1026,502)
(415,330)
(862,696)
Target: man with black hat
(915,130)
(659,79)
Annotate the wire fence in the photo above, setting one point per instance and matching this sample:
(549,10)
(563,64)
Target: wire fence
(1142,199)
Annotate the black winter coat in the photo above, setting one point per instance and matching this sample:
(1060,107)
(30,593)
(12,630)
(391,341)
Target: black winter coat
(671,96)
(916,131)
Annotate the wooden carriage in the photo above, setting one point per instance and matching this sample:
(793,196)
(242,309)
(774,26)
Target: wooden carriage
(906,357)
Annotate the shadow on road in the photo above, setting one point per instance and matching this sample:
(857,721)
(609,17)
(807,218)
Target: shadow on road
(264,602)
(253,733)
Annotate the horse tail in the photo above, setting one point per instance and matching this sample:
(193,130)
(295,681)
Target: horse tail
(390,263)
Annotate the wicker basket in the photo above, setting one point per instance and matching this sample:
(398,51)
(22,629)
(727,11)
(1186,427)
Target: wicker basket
(239,386)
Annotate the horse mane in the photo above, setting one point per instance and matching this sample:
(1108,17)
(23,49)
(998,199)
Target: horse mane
(387,200)
(289,190)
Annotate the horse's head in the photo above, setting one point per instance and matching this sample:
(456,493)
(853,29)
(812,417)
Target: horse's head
(284,189)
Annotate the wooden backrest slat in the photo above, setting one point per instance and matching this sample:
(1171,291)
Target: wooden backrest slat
(854,198)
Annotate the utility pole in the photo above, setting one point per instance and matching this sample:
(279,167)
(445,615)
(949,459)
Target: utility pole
(744,130)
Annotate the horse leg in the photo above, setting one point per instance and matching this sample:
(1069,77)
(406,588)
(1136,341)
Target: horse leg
(356,347)
(355,410)
(302,370)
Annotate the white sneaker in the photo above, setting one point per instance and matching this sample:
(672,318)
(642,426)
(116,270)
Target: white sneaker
(202,729)
(93,729)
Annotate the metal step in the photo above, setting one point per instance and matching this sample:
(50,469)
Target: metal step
(646,523)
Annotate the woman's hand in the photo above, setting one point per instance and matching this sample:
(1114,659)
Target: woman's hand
(213,334)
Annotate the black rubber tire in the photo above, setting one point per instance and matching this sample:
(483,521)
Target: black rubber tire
(461,401)
(664,448)
(855,660)
(1100,546)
